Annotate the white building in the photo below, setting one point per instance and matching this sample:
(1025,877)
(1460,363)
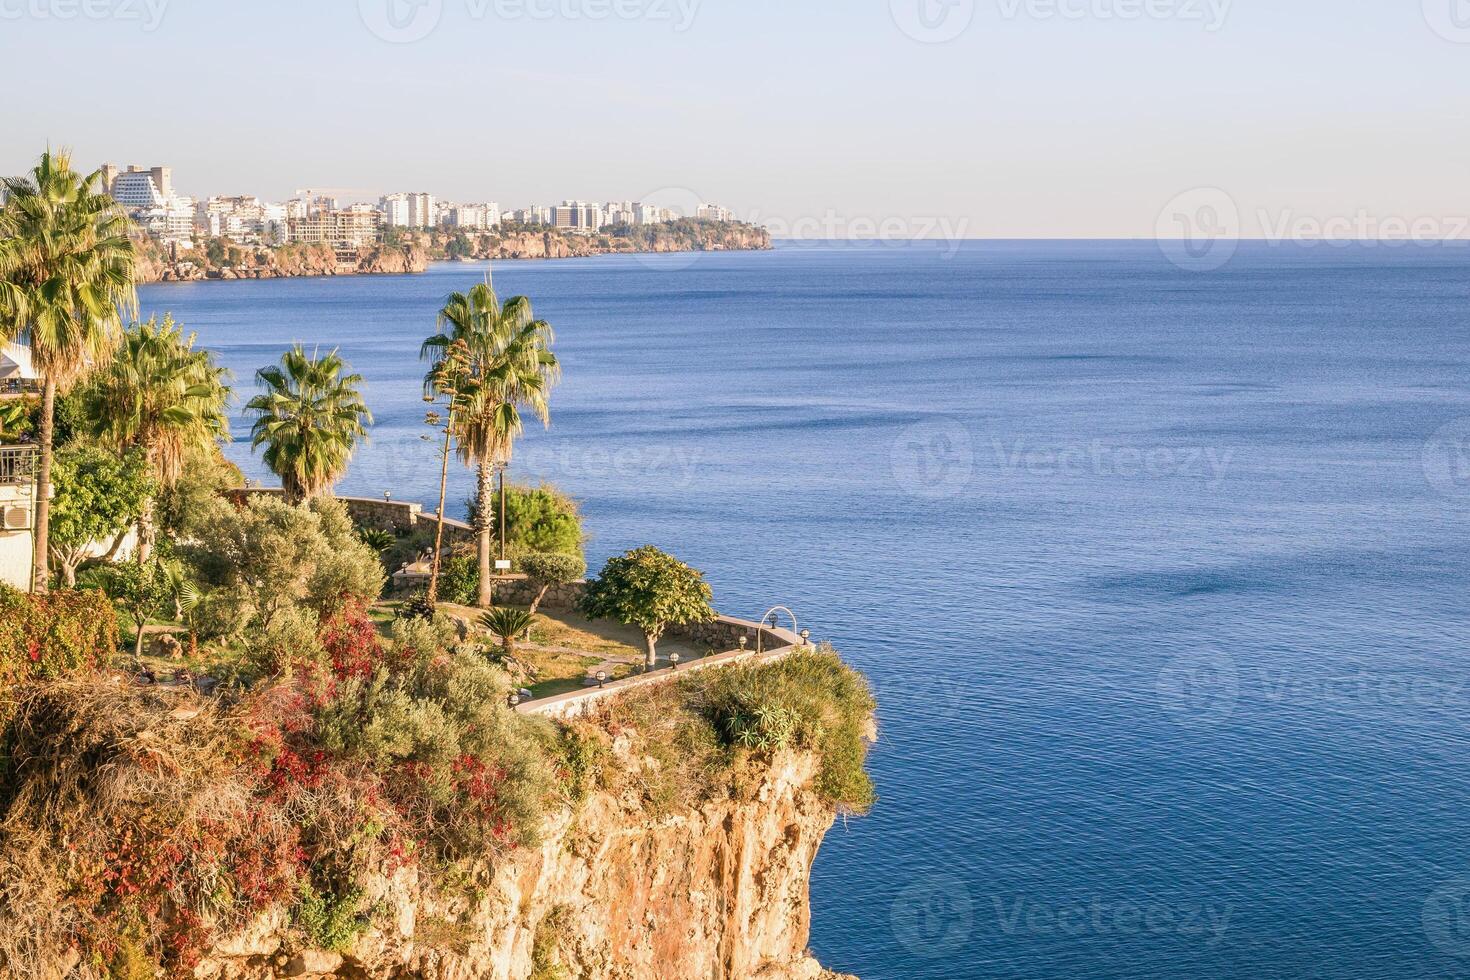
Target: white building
(578,216)
(713,212)
(477,217)
(147,194)
(18,378)
(408,210)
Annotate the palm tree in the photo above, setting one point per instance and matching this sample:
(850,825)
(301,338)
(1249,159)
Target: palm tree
(507,623)
(162,395)
(511,367)
(310,419)
(66,283)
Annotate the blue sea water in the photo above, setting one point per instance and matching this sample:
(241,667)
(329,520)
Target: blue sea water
(1160,576)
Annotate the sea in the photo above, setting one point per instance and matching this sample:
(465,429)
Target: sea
(1157,567)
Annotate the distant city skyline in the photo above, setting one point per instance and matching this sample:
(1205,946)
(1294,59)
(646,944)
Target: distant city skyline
(927,118)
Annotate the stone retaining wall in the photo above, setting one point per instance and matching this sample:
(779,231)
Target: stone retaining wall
(776,643)
(401,517)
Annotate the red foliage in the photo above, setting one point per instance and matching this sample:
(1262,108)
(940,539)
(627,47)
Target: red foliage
(351,640)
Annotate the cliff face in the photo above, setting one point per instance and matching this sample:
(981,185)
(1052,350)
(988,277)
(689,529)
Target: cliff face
(276,263)
(555,245)
(612,894)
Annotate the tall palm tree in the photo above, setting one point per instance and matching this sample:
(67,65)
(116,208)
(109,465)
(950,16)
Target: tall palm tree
(310,419)
(66,283)
(511,368)
(163,395)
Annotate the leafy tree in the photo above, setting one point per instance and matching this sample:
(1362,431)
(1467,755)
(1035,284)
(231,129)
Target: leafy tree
(161,395)
(98,497)
(540,518)
(270,557)
(141,591)
(507,624)
(511,367)
(15,418)
(67,269)
(548,569)
(651,590)
(310,420)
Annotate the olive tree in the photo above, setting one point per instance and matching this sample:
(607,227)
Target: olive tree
(545,570)
(651,590)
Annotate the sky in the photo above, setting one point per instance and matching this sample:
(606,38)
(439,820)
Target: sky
(820,118)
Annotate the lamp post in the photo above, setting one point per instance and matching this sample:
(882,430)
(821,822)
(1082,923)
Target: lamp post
(601,678)
(674,661)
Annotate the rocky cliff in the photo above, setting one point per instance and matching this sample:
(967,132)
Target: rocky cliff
(248,262)
(412,252)
(719,892)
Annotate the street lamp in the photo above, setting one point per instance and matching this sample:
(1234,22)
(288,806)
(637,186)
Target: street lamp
(806,638)
(674,661)
(744,642)
(601,678)
(387,496)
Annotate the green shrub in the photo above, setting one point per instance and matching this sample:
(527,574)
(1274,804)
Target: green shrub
(268,557)
(809,700)
(547,569)
(329,921)
(540,518)
(459,579)
(51,635)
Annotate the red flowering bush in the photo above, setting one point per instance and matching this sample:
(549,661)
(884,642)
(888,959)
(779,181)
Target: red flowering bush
(52,635)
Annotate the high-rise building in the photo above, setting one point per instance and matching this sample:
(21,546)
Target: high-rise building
(147,194)
(576,216)
(472,216)
(356,227)
(713,212)
(408,210)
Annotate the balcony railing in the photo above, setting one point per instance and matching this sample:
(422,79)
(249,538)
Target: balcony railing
(16,387)
(17,465)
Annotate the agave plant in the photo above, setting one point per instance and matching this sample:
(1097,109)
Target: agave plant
(507,624)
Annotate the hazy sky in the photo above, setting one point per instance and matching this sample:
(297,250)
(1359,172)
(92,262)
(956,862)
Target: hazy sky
(1038,118)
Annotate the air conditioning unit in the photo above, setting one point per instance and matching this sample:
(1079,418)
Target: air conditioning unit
(17,518)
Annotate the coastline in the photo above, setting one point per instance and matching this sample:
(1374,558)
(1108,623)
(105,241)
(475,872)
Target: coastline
(410,253)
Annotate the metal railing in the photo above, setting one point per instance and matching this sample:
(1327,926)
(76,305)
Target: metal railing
(15,387)
(17,465)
